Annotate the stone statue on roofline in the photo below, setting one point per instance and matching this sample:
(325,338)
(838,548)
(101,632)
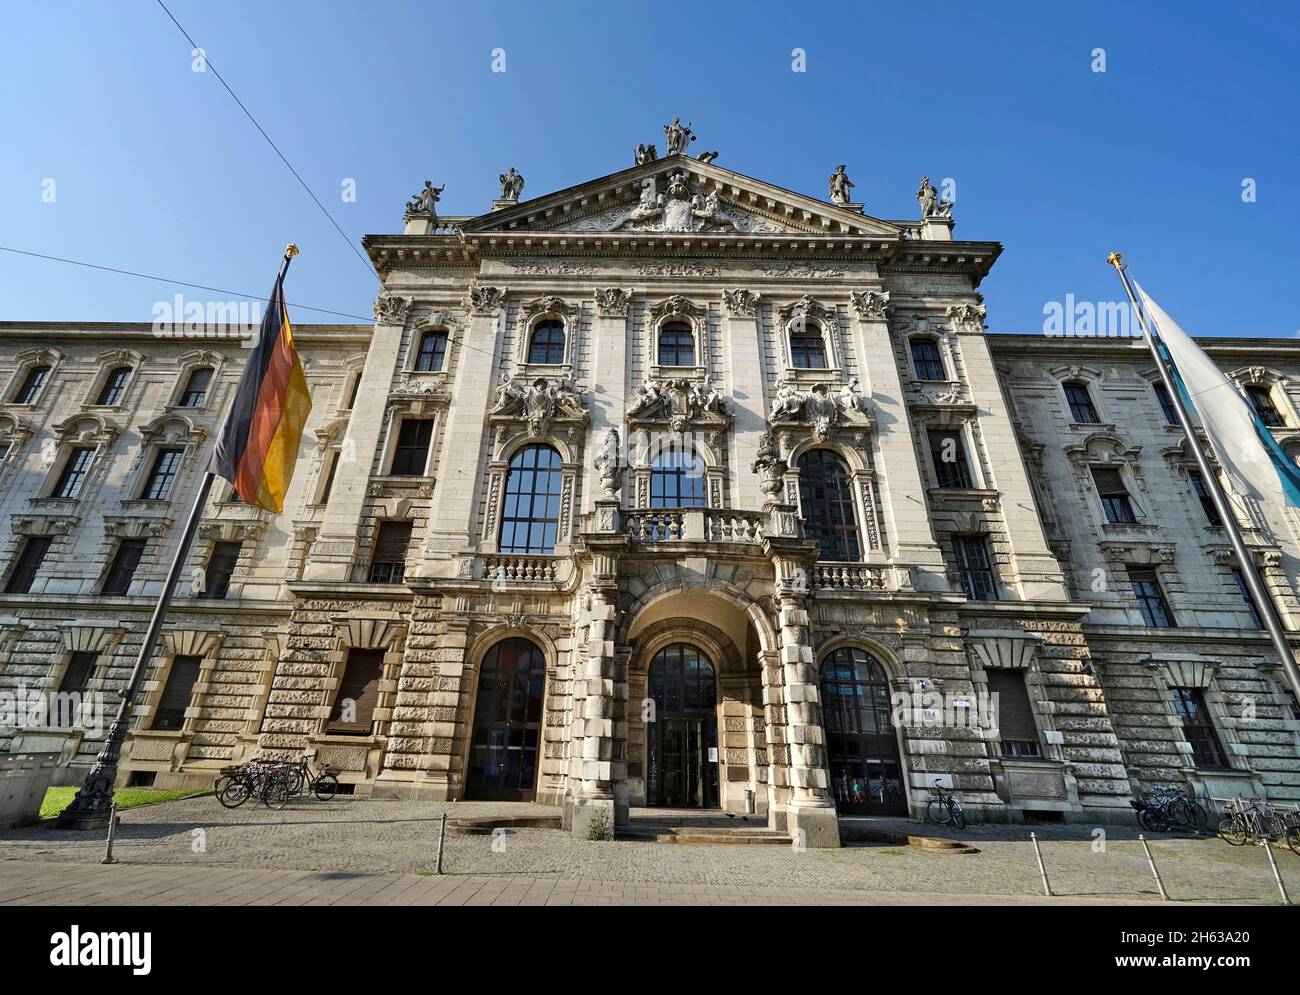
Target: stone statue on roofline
(425,202)
(677,137)
(840,186)
(512,184)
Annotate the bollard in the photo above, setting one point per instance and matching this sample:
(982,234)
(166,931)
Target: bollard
(1268,849)
(442,833)
(108,844)
(1047,888)
(1155,873)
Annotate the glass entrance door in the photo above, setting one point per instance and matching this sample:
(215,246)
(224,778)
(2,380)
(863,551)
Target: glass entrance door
(507,723)
(682,741)
(861,749)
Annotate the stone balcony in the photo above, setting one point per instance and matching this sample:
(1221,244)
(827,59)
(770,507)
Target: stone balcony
(695,525)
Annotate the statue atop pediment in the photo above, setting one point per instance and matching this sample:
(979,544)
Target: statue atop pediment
(643,154)
(512,184)
(840,186)
(424,204)
(931,204)
(677,137)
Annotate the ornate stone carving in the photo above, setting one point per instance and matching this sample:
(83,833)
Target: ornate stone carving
(931,206)
(676,306)
(678,269)
(769,466)
(677,137)
(801,271)
(392,310)
(840,186)
(820,408)
(969,316)
(740,302)
(512,184)
(644,153)
(485,300)
(608,464)
(539,402)
(805,307)
(548,304)
(680,402)
(872,306)
(612,301)
(424,204)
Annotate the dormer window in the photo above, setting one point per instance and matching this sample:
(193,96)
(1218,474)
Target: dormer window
(676,344)
(546,346)
(807,346)
(1262,401)
(114,386)
(196,390)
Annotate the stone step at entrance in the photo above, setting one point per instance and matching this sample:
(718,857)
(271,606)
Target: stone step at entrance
(699,826)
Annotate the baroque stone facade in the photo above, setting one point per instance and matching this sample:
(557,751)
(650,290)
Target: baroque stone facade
(716,494)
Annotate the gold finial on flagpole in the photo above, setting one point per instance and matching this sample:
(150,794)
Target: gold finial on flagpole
(290,251)
(1116,260)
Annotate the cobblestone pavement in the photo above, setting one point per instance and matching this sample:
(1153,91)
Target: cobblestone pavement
(350,836)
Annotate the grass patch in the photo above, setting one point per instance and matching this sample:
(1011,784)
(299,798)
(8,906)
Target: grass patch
(57,799)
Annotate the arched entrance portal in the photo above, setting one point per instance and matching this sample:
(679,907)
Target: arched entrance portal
(682,741)
(861,747)
(507,723)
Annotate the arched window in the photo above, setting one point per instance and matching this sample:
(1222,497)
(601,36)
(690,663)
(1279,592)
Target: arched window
(861,748)
(530,515)
(507,722)
(826,499)
(114,386)
(681,742)
(807,346)
(1080,401)
(196,390)
(677,478)
(546,347)
(676,344)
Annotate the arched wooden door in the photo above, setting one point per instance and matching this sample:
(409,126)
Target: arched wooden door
(682,741)
(507,730)
(861,746)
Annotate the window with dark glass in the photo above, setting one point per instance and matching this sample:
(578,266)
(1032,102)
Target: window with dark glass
(75,470)
(1114,495)
(353,712)
(1198,728)
(122,570)
(972,556)
(177,693)
(4,452)
(530,513)
(676,344)
(867,774)
(546,347)
(1166,404)
(196,390)
(926,361)
(388,563)
(949,454)
(329,477)
(29,561)
(1203,495)
(32,384)
(505,742)
(114,385)
(677,478)
(220,568)
(77,674)
(432,354)
(1080,401)
(1017,730)
(1261,399)
(1151,598)
(411,455)
(826,500)
(1244,589)
(163,474)
(807,346)
(352,391)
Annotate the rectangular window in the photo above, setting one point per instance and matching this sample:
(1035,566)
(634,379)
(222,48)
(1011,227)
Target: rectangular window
(432,353)
(169,716)
(220,568)
(75,470)
(411,455)
(1017,730)
(166,467)
(388,564)
(32,384)
(949,455)
(676,345)
(1262,401)
(1114,495)
(352,392)
(329,477)
(1166,404)
(353,713)
(114,386)
(1198,728)
(122,570)
(4,452)
(1203,495)
(29,561)
(973,563)
(78,672)
(196,391)
(1151,598)
(807,351)
(1081,409)
(1244,589)
(926,360)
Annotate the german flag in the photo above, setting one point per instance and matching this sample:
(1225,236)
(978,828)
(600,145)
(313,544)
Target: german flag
(258,445)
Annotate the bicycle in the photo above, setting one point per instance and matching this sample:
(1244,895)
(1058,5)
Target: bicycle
(945,810)
(1255,822)
(1167,805)
(295,779)
(239,782)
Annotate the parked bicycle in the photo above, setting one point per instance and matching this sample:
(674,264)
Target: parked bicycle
(1169,806)
(945,809)
(240,782)
(297,778)
(1255,821)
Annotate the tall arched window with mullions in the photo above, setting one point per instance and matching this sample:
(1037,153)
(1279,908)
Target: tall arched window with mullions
(826,499)
(530,514)
(677,478)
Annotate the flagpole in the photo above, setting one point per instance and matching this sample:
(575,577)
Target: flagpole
(1254,583)
(92,805)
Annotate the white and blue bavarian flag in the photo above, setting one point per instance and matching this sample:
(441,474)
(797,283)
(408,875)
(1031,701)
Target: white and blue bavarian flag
(1251,458)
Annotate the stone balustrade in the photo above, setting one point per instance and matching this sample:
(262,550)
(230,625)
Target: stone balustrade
(521,569)
(695,525)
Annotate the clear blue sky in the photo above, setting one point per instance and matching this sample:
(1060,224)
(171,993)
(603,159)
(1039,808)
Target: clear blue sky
(157,170)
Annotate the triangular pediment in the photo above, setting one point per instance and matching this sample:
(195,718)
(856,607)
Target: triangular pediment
(679,194)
